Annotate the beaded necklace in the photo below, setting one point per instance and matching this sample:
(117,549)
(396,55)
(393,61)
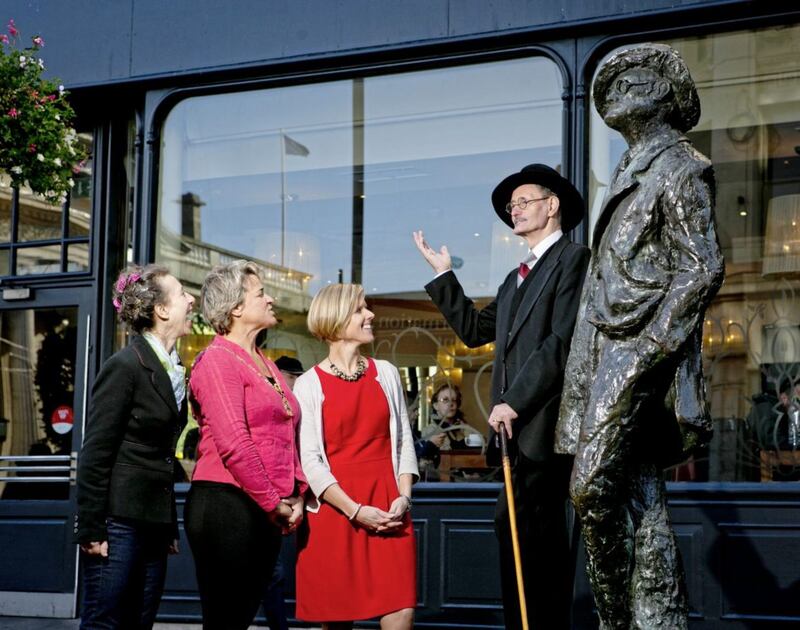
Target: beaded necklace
(361,368)
(270,378)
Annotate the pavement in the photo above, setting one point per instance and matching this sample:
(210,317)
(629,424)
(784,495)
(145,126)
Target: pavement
(37,623)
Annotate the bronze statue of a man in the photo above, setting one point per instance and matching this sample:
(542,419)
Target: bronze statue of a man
(634,396)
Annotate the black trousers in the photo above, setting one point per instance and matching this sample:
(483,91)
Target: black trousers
(235,547)
(540,498)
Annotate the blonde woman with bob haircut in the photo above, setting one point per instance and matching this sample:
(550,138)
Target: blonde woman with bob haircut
(356,551)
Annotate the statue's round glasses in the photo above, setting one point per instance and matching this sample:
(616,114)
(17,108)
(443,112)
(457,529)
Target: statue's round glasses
(523,203)
(623,86)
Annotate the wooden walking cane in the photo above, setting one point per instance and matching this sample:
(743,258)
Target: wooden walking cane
(512,517)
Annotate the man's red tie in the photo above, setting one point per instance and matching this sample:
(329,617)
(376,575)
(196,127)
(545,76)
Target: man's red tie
(524,270)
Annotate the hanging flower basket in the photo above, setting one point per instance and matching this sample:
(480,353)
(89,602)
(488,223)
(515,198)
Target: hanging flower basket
(38,147)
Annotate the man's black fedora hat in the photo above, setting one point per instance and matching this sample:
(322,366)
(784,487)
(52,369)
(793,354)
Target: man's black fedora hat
(570,200)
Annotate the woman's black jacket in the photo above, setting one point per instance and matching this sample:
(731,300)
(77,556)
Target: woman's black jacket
(126,465)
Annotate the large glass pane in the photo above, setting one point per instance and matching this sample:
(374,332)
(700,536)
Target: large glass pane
(750,128)
(37,390)
(324,194)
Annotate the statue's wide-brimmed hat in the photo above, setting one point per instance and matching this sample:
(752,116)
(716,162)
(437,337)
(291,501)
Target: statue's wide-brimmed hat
(570,201)
(665,62)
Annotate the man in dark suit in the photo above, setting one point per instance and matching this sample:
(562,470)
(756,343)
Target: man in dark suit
(531,319)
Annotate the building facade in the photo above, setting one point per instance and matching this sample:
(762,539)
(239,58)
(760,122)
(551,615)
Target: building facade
(314,137)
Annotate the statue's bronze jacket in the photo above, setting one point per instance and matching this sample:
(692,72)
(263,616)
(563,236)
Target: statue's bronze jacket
(660,268)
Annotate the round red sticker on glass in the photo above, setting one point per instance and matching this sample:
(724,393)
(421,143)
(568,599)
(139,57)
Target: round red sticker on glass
(61,419)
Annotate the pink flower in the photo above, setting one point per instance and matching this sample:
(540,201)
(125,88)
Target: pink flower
(4,38)
(31,148)
(12,29)
(38,41)
(123,281)
(13,112)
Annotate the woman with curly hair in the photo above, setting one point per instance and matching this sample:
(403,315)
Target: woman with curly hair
(126,522)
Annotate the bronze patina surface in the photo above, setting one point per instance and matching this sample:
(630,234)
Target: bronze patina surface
(634,393)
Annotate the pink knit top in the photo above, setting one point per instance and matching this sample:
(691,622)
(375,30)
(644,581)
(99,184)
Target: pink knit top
(246,437)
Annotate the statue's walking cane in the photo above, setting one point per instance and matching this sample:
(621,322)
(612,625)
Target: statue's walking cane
(512,517)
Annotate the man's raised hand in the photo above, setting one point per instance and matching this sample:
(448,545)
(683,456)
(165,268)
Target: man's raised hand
(440,261)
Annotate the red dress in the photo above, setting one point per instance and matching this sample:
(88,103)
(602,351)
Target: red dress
(345,572)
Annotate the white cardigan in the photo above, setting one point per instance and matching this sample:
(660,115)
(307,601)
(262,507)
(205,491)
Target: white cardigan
(308,391)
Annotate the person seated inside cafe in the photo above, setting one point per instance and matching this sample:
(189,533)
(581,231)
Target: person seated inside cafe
(448,430)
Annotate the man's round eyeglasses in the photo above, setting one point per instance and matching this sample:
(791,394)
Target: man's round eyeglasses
(523,203)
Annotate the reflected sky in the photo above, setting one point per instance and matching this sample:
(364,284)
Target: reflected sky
(435,143)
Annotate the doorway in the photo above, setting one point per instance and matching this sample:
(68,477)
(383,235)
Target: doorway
(44,356)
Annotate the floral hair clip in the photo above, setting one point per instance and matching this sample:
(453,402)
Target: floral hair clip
(122,282)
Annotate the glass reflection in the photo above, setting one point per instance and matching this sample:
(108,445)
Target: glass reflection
(750,128)
(320,195)
(37,364)
(78,257)
(37,260)
(38,220)
(80,199)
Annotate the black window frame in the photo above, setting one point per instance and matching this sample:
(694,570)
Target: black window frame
(13,244)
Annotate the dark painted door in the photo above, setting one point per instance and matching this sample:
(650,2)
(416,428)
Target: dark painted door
(43,362)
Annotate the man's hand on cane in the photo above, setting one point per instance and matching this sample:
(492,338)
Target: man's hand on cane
(502,416)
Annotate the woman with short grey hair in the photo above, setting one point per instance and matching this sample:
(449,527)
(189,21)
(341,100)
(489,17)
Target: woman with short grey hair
(247,486)
(224,289)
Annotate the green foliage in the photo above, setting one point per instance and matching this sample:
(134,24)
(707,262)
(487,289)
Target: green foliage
(38,147)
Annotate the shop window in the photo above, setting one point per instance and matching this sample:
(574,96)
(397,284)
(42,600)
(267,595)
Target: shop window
(324,183)
(37,237)
(750,129)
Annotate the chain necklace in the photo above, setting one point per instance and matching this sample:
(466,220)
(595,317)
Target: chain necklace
(270,378)
(361,368)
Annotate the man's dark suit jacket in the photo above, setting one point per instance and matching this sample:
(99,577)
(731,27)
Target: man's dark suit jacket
(126,465)
(532,335)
